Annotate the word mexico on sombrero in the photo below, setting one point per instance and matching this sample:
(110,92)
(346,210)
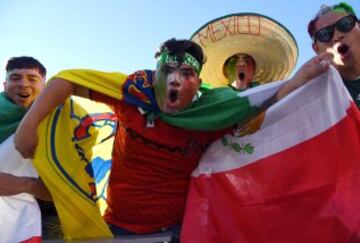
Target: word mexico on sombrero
(270,44)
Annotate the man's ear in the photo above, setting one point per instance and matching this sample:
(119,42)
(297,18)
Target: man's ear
(315,47)
(43,79)
(4,84)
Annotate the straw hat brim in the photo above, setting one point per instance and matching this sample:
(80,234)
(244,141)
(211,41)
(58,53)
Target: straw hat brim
(272,46)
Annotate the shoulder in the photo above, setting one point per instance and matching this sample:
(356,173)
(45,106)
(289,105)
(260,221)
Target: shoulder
(141,75)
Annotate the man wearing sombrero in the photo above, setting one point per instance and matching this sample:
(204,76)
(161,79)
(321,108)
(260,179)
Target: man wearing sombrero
(245,50)
(239,70)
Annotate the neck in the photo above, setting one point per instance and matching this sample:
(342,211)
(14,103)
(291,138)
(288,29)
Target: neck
(240,85)
(350,73)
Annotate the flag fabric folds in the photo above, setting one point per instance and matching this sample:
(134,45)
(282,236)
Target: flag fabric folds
(216,109)
(297,179)
(73,159)
(20,218)
(74,152)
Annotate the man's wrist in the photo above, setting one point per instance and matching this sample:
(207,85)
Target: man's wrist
(29,184)
(269,102)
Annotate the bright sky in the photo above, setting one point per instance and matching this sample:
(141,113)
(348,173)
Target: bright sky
(123,35)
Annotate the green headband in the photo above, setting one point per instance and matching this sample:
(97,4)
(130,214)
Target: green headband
(343,7)
(165,57)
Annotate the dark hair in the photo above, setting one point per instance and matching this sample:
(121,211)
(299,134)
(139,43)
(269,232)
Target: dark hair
(180,47)
(25,62)
(324,9)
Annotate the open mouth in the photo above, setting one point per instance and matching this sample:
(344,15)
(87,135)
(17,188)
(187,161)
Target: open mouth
(241,76)
(343,49)
(173,95)
(23,95)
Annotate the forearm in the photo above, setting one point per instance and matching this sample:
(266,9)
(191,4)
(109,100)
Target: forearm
(37,188)
(54,94)
(286,89)
(308,71)
(12,185)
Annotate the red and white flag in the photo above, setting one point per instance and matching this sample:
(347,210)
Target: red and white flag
(297,179)
(20,217)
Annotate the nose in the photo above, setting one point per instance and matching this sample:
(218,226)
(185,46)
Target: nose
(338,36)
(23,82)
(241,64)
(175,79)
(175,83)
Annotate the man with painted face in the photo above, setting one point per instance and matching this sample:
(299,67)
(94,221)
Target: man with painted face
(237,51)
(240,70)
(152,160)
(25,79)
(336,29)
(177,78)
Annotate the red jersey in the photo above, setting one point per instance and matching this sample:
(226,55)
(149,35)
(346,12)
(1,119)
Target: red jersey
(151,170)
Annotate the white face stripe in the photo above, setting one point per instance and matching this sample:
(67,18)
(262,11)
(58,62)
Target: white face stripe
(175,76)
(176,73)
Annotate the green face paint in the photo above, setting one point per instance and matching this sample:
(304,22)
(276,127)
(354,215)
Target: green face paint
(160,86)
(165,57)
(230,69)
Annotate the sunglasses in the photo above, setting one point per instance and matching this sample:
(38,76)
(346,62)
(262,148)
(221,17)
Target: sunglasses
(344,25)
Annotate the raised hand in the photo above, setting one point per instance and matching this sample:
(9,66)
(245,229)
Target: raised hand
(312,68)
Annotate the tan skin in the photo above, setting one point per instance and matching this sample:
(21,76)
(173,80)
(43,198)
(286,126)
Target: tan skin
(344,46)
(22,86)
(11,185)
(58,90)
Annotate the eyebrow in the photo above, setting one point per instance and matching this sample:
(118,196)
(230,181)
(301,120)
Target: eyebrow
(14,74)
(33,76)
(187,69)
(28,75)
(170,67)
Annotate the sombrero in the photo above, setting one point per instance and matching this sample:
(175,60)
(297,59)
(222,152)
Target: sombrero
(269,43)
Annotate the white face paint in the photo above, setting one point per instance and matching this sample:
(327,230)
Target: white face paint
(175,79)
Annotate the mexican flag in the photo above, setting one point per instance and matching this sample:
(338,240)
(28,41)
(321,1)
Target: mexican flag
(20,217)
(297,179)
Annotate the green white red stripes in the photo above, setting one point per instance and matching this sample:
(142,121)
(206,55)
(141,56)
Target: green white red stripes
(300,183)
